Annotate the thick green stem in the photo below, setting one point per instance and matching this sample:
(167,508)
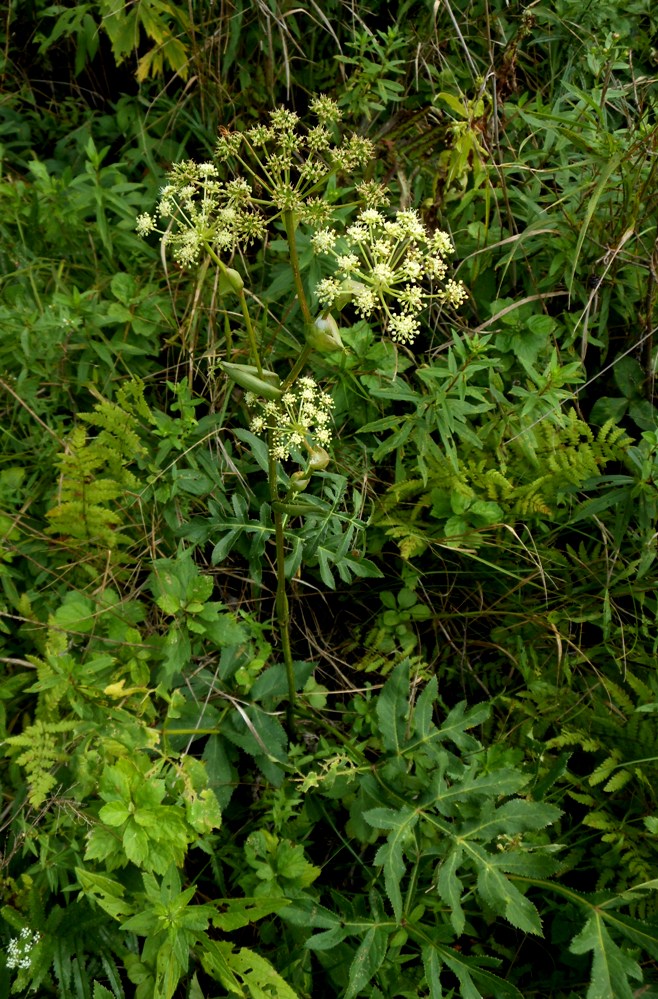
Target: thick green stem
(290,223)
(253,346)
(281,607)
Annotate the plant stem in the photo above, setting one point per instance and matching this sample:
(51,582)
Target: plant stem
(297,366)
(290,223)
(253,346)
(281,606)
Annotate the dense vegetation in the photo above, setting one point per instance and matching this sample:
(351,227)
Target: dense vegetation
(328,499)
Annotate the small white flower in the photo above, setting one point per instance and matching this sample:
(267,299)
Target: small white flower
(383,275)
(370,217)
(382,248)
(144,224)
(325,109)
(323,241)
(327,291)
(283,120)
(357,233)
(412,298)
(411,225)
(18,949)
(412,268)
(298,420)
(436,267)
(403,328)
(441,243)
(347,263)
(454,293)
(364,302)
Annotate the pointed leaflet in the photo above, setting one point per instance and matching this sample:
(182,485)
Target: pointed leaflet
(499,893)
(241,912)
(472,977)
(432,967)
(450,888)
(100,992)
(367,960)
(106,892)
(393,708)
(644,935)
(512,817)
(449,799)
(259,977)
(423,709)
(454,728)
(390,853)
(611,968)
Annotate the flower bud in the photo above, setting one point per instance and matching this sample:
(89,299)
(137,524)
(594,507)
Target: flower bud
(230,280)
(318,459)
(266,384)
(299,481)
(323,335)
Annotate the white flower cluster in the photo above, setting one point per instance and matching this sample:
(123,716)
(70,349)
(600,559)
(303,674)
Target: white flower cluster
(285,168)
(18,950)
(203,211)
(290,164)
(299,419)
(385,264)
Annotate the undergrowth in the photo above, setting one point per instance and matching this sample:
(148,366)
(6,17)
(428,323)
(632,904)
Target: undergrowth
(328,553)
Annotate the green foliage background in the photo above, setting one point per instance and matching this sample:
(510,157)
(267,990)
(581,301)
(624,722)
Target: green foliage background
(467,805)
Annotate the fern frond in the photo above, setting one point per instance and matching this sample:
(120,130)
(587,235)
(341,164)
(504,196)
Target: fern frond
(39,750)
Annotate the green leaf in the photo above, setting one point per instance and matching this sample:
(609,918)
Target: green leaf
(500,894)
(106,892)
(115,813)
(611,967)
(257,974)
(432,967)
(367,960)
(450,888)
(100,992)
(244,911)
(471,976)
(390,854)
(136,844)
(393,708)
(203,812)
(629,376)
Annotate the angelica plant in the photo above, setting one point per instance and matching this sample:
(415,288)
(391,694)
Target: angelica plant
(277,179)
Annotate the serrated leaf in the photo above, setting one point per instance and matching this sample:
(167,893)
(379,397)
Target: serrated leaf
(106,892)
(450,888)
(470,974)
(244,911)
(259,976)
(390,854)
(500,894)
(327,939)
(100,992)
(432,967)
(393,708)
(367,960)
(512,817)
(611,967)
(423,709)
(642,934)
(617,781)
